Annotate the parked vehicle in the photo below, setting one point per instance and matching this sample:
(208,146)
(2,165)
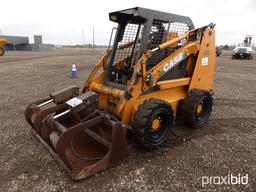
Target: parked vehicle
(218,51)
(242,52)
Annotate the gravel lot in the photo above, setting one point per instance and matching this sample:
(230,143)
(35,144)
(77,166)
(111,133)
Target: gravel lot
(226,145)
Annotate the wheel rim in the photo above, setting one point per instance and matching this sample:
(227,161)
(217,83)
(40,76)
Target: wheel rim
(203,110)
(156,124)
(159,125)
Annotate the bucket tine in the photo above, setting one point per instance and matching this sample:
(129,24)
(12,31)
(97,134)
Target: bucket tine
(30,110)
(58,98)
(38,121)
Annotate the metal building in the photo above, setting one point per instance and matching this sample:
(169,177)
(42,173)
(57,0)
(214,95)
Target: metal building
(21,43)
(16,43)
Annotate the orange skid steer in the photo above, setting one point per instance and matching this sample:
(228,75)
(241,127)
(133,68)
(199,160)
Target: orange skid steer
(2,43)
(159,67)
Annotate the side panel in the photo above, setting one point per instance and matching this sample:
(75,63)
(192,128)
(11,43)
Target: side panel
(203,75)
(172,96)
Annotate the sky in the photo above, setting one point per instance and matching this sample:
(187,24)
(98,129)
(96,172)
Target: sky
(62,21)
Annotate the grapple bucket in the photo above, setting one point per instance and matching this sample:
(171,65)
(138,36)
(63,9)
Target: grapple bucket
(81,138)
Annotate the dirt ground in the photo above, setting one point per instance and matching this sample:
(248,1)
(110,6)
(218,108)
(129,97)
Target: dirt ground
(226,145)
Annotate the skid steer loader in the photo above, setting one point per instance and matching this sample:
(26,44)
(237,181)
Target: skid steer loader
(2,43)
(159,67)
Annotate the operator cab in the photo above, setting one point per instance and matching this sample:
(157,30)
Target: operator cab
(138,30)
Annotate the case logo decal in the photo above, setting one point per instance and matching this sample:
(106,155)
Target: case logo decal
(174,61)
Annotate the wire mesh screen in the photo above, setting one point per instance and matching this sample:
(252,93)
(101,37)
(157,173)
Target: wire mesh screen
(129,38)
(162,31)
(177,29)
(158,33)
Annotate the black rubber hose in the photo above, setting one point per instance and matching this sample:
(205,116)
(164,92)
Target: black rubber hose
(83,157)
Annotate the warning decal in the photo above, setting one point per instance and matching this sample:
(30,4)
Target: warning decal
(205,61)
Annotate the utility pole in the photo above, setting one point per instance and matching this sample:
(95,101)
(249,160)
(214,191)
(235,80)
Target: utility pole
(83,37)
(93,42)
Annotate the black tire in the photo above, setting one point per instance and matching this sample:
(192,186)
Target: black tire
(2,51)
(152,110)
(190,112)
